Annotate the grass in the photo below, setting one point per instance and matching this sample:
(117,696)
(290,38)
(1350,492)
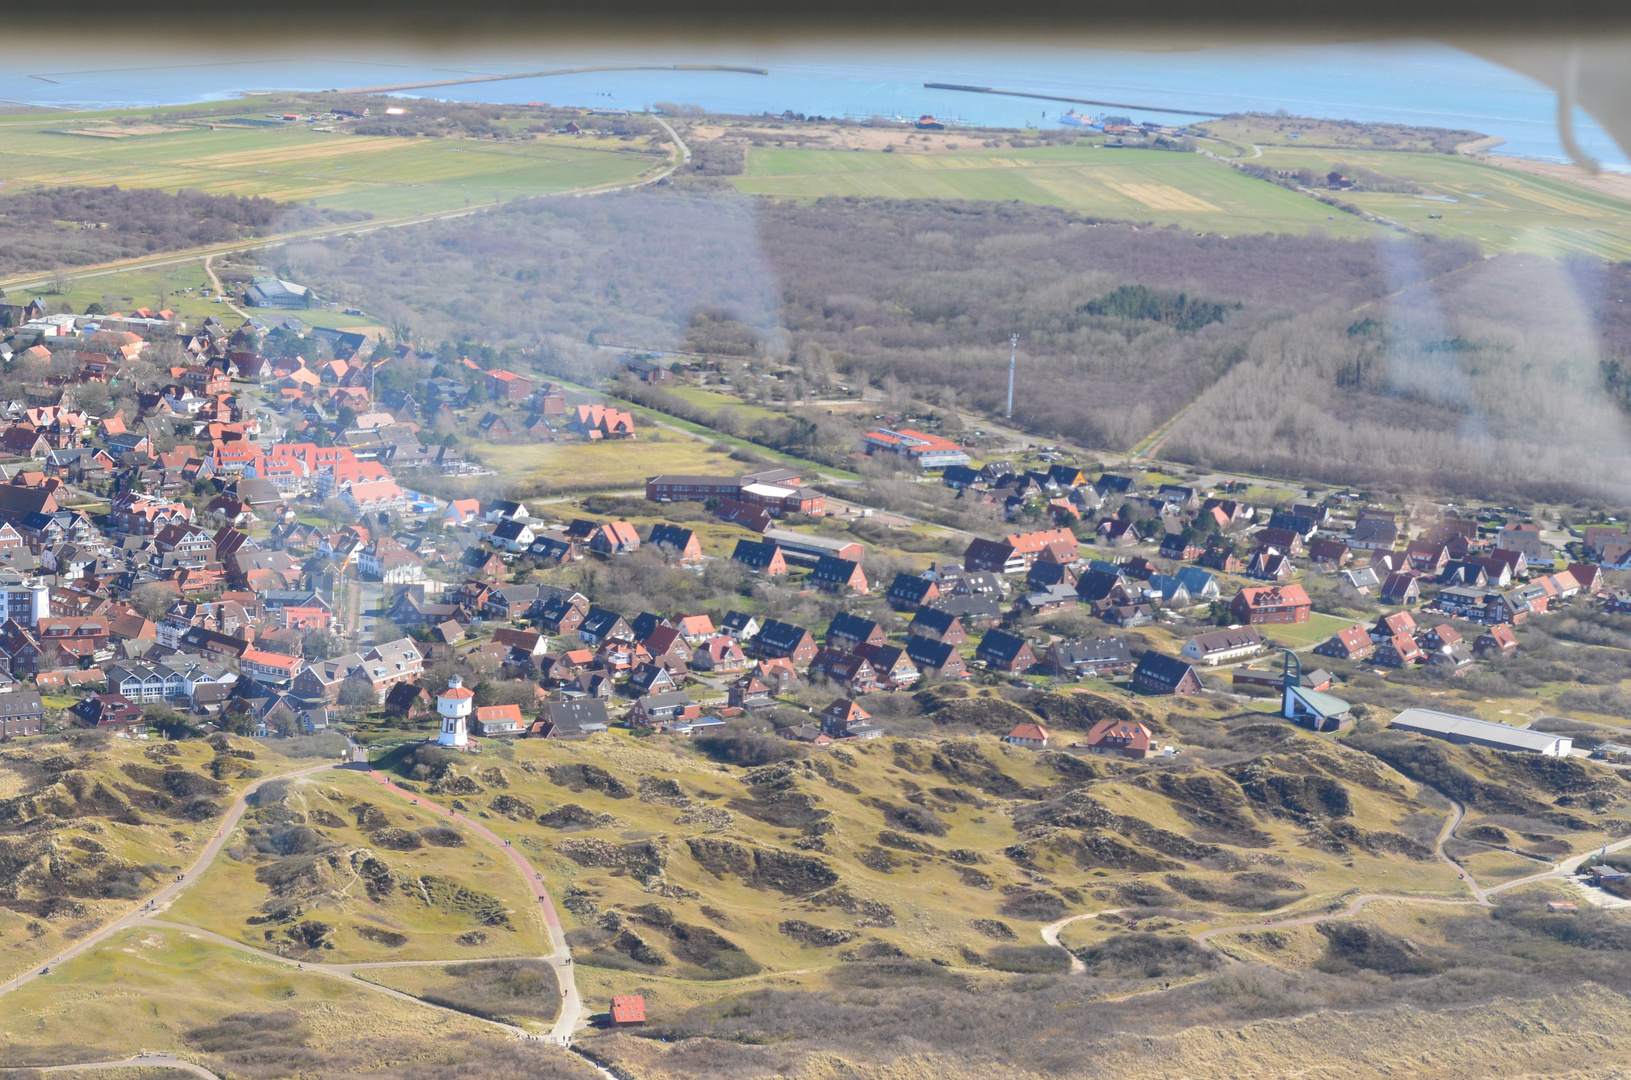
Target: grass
(1318,627)
(611,466)
(145,988)
(385,176)
(163,844)
(1502,209)
(469,988)
(1163,187)
(713,399)
(931,901)
(230,894)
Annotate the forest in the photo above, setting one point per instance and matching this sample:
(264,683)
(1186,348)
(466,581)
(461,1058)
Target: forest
(1406,364)
(923,293)
(1488,381)
(49,228)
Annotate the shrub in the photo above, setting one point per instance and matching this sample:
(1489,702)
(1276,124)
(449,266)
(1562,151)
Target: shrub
(1029,959)
(1148,956)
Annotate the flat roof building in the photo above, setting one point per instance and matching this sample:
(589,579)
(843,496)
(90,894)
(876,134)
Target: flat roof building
(1470,731)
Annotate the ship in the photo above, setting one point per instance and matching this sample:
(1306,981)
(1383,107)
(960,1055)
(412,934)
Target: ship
(1076,119)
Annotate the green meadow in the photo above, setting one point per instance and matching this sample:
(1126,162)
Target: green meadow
(1502,209)
(386,176)
(1159,186)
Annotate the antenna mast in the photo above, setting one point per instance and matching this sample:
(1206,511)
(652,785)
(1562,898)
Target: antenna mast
(1013,350)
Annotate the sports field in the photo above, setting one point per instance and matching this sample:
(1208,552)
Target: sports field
(1160,186)
(385,176)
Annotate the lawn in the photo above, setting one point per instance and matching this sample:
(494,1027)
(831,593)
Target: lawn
(1318,627)
(383,175)
(1188,190)
(1503,209)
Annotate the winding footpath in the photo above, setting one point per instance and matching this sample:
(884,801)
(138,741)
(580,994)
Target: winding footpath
(1480,896)
(561,958)
(147,914)
(143,1060)
(164,896)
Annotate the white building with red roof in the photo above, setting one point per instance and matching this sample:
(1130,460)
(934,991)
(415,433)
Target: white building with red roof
(454,704)
(929,451)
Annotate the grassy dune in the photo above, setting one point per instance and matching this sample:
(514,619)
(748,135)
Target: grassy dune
(408,917)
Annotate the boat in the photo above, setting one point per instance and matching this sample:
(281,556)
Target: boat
(1076,119)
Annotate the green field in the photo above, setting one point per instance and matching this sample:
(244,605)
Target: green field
(1141,185)
(1503,209)
(620,465)
(383,175)
(710,399)
(1318,627)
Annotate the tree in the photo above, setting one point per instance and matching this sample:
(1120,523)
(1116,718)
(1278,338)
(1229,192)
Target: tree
(319,645)
(358,694)
(385,630)
(338,512)
(152,600)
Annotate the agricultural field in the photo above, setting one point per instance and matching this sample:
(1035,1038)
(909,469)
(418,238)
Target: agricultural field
(1163,187)
(1502,209)
(385,176)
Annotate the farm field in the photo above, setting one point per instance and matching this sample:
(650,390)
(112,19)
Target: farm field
(1502,209)
(385,176)
(1167,188)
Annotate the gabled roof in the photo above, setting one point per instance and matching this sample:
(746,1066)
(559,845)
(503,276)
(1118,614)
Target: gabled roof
(1001,645)
(1162,669)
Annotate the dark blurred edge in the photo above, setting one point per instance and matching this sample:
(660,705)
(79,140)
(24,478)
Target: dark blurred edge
(439,23)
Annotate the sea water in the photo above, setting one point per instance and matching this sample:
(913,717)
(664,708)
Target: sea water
(1415,83)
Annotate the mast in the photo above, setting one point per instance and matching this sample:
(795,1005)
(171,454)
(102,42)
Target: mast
(1013,351)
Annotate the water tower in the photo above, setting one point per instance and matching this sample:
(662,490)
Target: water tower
(454,706)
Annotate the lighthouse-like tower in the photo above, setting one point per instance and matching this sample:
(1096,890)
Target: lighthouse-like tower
(454,705)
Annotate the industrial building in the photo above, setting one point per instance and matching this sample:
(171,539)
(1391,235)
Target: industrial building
(1470,731)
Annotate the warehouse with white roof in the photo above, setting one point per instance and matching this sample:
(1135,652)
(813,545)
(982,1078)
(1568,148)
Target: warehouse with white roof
(1468,730)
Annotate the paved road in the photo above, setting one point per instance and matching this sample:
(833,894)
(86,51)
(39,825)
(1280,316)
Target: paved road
(1560,870)
(161,899)
(139,1061)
